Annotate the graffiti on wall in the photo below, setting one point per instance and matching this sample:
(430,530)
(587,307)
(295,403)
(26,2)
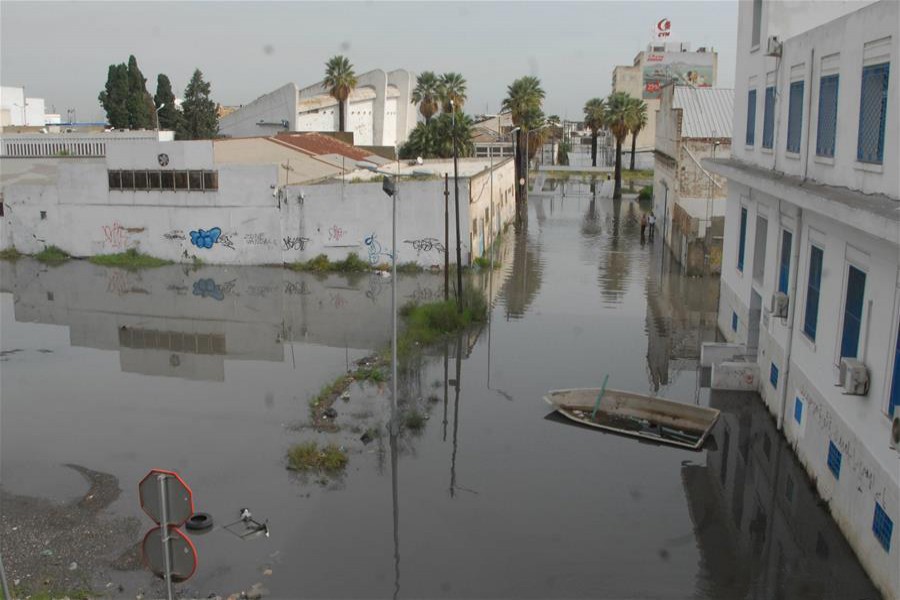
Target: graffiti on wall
(116,236)
(425,245)
(296,289)
(208,288)
(175,234)
(335,233)
(375,249)
(205,238)
(256,239)
(295,243)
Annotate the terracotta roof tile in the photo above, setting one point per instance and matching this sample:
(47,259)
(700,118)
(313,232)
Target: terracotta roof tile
(316,143)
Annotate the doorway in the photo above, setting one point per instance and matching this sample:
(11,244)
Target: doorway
(753,322)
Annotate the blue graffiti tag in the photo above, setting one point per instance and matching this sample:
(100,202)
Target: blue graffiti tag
(203,238)
(207,288)
(375,249)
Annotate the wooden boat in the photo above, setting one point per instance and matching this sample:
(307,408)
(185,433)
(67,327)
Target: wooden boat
(656,419)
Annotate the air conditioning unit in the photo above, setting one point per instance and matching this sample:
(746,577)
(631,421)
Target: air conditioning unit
(895,432)
(773,46)
(778,305)
(854,377)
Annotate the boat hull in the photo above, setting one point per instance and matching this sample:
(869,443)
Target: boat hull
(637,415)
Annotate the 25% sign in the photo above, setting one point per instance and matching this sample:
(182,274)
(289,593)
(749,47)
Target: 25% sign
(168,500)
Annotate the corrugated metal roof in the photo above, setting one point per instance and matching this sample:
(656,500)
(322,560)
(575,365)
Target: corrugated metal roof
(707,112)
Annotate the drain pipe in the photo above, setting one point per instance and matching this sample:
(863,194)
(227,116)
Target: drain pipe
(792,310)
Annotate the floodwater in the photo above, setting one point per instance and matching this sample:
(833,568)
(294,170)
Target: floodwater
(209,371)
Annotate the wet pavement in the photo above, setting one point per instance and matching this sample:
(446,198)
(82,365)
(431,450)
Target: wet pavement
(209,371)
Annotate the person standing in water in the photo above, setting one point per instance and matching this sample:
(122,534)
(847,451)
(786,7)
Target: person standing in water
(643,225)
(652,223)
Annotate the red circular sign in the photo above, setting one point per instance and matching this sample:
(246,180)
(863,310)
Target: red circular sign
(182,552)
(181,499)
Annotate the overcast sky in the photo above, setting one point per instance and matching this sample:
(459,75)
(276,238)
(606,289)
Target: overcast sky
(61,51)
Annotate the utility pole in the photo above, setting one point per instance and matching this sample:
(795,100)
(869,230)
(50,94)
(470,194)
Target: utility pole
(446,237)
(459,297)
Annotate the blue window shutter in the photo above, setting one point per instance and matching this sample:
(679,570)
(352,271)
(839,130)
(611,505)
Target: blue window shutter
(734,321)
(773,375)
(768,139)
(853,309)
(784,269)
(872,113)
(834,460)
(795,117)
(812,292)
(742,240)
(895,385)
(751,117)
(798,410)
(826,130)
(882,527)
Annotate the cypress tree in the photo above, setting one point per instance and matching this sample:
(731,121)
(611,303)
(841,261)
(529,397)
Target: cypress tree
(164,100)
(200,120)
(114,97)
(139,101)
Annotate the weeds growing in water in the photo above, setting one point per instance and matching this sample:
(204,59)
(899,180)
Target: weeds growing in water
(52,254)
(11,253)
(373,374)
(322,264)
(428,323)
(307,456)
(414,420)
(409,267)
(130,259)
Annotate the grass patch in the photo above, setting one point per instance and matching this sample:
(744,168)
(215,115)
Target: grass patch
(307,456)
(373,374)
(11,253)
(484,262)
(429,323)
(646,193)
(53,594)
(322,264)
(52,254)
(414,420)
(409,267)
(130,259)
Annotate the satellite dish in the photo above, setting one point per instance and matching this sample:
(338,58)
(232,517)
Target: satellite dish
(419,160)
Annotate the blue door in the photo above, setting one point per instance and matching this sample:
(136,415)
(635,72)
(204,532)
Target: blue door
(853,308)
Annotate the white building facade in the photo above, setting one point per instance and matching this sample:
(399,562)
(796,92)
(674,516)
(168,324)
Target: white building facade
(811,258)
(379,111)
(17,110)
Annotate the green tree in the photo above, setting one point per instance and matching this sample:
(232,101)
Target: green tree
(169,116)
(617,108)
(427,94)
(594,115)
(434,139)
(114,97)
(452,87)
(636,120)
(340,81)
(524,100)
(139,101)
(200,120)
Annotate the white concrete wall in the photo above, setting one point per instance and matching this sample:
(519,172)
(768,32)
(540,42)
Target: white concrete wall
(272,108)
(842,41)
(360,121)
(483,206)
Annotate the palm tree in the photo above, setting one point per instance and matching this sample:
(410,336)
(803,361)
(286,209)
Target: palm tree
(427,94)
(339,80)
(524,100)
(594,118)
(452,87)
(617,121)
(636,120)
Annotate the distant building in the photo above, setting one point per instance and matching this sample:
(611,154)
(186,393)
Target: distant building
(689,201)
(379,111)
(74,143)
(17,110)
(810,286)
(660,64)
(490,136)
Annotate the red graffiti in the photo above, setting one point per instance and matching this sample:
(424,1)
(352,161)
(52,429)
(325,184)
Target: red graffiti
(116,235)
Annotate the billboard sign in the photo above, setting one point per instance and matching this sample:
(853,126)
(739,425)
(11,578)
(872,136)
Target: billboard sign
(684,68)
(663,29)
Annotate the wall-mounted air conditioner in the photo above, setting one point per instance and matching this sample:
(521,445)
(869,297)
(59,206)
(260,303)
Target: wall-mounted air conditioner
(773,46)
(854,377)
(778,305)
(895,432)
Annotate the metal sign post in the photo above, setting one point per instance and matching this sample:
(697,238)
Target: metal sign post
(167,557)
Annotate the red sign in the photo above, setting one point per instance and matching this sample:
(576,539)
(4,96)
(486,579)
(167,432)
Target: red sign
(181,499)
(663,28)
(182,553)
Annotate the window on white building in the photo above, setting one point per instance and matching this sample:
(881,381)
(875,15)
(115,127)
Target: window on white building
(814,285)
(751,117)
(759,249)
(826,129)
(757,23)
(795,117)
(872,113)
(853,310)
(768,139)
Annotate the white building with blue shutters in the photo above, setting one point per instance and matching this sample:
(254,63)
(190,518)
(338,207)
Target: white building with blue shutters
(810,280)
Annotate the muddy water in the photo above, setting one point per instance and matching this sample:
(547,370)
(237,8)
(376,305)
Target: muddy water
(208,371)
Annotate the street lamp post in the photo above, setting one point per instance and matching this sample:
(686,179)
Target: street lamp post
(459,288)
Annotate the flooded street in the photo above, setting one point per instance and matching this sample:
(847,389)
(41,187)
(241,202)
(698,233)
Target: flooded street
(209,371)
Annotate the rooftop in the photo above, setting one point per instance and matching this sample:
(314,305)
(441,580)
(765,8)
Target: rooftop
(707,112)
(437,167)
(317,143)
